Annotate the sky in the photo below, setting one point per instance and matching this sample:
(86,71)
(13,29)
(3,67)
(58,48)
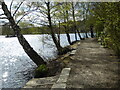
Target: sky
(8,5)
(8,2)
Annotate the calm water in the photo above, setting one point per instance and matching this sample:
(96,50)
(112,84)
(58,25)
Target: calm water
(15,66)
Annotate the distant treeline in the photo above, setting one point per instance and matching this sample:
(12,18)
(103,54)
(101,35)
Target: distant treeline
(45,29)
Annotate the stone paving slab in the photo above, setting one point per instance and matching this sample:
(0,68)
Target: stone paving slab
(61,82)
(58,86)
(73,52)
(65,71)
(41,82)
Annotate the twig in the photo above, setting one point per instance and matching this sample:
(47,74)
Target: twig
(17,9)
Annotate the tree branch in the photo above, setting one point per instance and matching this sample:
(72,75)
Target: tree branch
(22,18)
(11,5)
(44,14)
(28,12)
(17,8)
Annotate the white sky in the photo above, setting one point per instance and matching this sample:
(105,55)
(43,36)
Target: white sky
(8,5)
(8,2)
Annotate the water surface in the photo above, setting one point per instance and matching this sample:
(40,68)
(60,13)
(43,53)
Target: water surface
(16,67)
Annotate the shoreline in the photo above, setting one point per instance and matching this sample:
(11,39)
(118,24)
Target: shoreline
(56,65)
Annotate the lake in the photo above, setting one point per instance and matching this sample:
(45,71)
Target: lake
(16,67)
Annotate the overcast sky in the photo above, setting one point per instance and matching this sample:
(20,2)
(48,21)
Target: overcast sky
(8,2)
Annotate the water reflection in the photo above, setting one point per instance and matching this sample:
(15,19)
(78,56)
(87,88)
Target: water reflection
(5,74)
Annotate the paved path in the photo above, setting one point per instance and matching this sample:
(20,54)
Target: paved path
(93,66)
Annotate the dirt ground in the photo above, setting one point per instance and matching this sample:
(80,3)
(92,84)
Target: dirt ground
(93,66)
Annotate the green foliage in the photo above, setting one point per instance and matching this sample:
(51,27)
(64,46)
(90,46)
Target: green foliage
(7,30)
(99,26)
(41,71)
(25,24)
(31,30)
(107,24)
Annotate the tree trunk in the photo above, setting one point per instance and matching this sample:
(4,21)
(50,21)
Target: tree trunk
(67,34)
(67,27)
(79,35)
(91,30)
(73,14)
(86,34)
(26,46)
(58,46)
(68,38)
(75,26)
(58,35)
(75,35)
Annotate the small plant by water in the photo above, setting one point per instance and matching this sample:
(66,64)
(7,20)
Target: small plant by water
(41,71)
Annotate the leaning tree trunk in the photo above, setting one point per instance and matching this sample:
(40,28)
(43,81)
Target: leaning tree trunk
(58,35)
(73,14)
(77,31)
(67,27)
(75,26)
(57,44)
(67,34)
(68,37)
(79,35)
(26,46)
